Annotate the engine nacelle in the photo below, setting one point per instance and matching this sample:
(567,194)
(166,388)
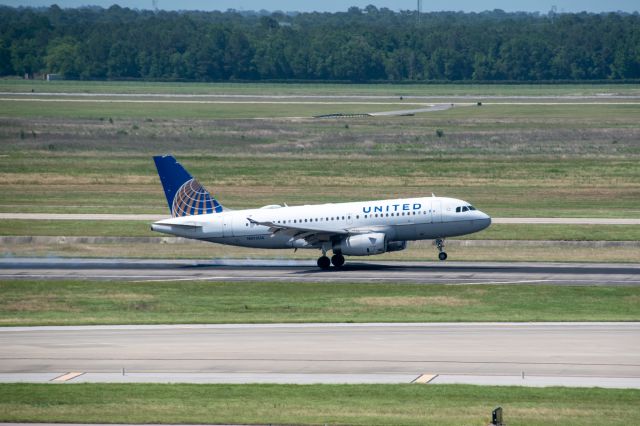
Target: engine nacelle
(396,245)
(363,244)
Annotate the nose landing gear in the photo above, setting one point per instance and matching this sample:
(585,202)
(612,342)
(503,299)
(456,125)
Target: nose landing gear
(440,244)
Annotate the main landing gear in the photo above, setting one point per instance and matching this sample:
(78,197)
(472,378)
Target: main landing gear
(440,244)
(337,260)
(324,263)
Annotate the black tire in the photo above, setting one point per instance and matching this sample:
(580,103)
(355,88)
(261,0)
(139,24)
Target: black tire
(324,262)
(337,260)
(442,256)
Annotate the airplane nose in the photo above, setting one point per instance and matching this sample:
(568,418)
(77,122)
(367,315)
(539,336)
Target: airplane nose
(483,222)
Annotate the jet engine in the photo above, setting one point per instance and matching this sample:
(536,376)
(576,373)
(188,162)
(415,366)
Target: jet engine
(363,244)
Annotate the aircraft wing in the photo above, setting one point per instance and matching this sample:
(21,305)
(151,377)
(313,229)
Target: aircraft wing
(309,233)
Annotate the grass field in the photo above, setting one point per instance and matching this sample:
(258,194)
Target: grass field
(508,160)
(11,85)
(195,110)
(315,404)
(501,187)
(81,302)
(417,251)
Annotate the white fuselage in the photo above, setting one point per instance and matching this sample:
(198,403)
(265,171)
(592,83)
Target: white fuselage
(400,220)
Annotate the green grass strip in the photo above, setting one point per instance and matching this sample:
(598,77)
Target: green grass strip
(315,404)
(313,88)
(81,302)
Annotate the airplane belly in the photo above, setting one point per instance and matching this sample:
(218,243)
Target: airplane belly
(404,232)
(265,241)
(430,231)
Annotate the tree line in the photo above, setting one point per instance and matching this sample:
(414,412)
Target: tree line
(367,44)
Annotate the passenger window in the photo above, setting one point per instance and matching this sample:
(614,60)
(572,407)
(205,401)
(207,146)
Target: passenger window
(357,216)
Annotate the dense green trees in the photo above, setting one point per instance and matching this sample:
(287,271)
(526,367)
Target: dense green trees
(359,45)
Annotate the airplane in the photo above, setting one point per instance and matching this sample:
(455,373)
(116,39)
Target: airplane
(362,228)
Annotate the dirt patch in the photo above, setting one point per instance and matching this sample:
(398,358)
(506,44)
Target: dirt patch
(65,179)
(125,297)
(37,304)
(394,302)
(632,299)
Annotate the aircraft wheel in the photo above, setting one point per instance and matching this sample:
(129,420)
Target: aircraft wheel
(442,256)
(337,260)
(324,262)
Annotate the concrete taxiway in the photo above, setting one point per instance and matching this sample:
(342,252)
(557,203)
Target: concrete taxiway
(306,271)
(531,354)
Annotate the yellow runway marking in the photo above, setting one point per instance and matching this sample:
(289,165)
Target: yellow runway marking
(67,377)
(425,378)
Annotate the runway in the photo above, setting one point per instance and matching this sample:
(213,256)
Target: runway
(533,354)
(452,273)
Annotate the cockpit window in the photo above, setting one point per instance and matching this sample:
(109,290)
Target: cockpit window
(465,209)
(458,209)
(471,208)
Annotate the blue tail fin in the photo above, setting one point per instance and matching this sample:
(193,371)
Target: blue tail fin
(185,196)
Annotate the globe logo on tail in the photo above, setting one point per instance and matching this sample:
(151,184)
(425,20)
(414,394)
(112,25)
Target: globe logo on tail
(192,199)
